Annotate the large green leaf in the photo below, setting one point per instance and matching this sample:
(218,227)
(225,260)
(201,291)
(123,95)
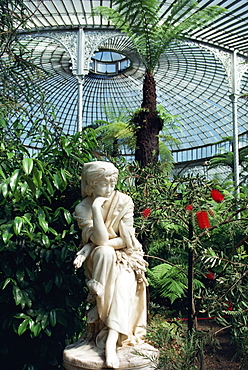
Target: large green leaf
(37,178)
(27,164)
(31,185)
(7,281)
(23,326)
(13,181)
(42,220)
(5,188)
(53,317)
(45,320)
(7,233)
(18,296)
(36,329)
(17,225)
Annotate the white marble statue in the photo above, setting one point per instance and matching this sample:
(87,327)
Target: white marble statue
(113,262)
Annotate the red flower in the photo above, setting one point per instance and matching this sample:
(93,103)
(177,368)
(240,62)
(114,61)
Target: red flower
(146,213)
(189,207)
(210,275)
(229,306)
(217,196)
(202,219)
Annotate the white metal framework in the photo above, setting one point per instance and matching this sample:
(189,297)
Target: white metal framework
(195,79)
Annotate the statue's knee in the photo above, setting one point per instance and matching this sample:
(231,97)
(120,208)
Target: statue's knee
(105,252)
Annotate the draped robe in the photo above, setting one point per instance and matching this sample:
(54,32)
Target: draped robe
(115,277)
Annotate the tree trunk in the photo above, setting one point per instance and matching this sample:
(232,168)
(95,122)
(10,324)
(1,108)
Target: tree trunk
(149,125)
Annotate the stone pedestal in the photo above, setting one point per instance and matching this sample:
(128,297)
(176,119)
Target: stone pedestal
(82,355)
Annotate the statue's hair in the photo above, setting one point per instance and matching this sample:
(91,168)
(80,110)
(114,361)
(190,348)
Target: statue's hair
(96,171)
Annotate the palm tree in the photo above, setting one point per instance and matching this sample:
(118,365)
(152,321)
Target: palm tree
(151,36)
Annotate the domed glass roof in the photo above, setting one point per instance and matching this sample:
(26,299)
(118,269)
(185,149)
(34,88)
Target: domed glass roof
(193,78)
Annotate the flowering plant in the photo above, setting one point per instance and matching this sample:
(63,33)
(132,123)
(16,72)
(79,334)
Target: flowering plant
(202,216)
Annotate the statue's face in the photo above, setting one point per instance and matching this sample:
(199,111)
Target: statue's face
(104,187)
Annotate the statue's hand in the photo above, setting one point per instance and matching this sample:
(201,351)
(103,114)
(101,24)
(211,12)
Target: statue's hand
(82,254)
(99,201)
(78,261)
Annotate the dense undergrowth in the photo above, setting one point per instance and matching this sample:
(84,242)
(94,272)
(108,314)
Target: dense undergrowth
(42,302)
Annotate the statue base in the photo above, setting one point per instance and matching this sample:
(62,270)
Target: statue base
(83,355)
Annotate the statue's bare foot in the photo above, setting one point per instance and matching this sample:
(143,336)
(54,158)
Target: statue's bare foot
(112,360)
(110,351)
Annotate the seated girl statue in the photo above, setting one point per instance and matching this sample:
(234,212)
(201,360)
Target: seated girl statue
(113,262)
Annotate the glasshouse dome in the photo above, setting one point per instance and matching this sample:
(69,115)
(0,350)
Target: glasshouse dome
(92,67)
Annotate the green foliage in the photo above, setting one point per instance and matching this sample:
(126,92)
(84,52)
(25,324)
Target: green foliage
(177,349)
(115,135)
(226,159)
(227,298)
(165,139)
(169,281)
(13,16)
(42,300)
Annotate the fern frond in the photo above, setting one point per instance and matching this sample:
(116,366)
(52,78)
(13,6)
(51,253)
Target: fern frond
(179,23)
(161,270)
(111,130)
(141,22)
(165,153)
(139,15)
(168,280)
(113,17)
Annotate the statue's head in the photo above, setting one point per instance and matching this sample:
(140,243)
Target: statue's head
(94,172)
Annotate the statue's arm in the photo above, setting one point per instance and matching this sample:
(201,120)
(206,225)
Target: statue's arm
(99,231)
(82,214)
(127,219)
(117,243)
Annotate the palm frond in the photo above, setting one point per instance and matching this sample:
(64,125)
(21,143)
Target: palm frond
(179,23)
(169,120)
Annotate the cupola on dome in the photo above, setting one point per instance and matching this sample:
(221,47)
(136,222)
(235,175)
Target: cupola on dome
(106,62)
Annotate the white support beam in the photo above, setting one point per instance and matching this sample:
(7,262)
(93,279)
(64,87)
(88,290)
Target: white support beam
(234,98)
(80,76)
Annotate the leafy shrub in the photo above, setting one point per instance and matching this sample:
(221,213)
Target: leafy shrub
(42,300)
